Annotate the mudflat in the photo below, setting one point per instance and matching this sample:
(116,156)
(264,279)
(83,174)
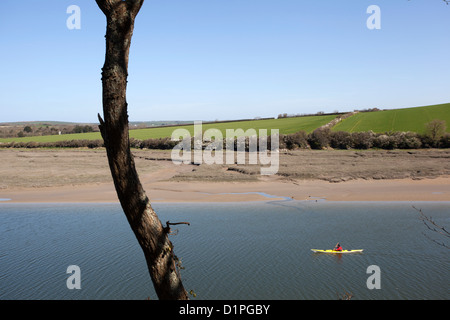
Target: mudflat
(82,175)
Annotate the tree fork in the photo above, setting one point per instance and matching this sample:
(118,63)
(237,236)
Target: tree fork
(144,222)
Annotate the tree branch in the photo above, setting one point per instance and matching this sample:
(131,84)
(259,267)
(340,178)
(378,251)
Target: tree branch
(107,5)
(168,224)
(434,227)
(134,6)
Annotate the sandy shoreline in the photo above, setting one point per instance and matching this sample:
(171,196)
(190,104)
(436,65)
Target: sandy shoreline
(357,190)
(63,176)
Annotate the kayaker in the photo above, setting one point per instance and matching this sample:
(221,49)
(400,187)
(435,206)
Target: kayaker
(337,247)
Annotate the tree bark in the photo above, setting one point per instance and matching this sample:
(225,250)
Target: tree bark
(144,222)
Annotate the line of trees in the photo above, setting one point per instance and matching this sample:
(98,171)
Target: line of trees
(43,130)
(325,138)
(318,139)
(56,144)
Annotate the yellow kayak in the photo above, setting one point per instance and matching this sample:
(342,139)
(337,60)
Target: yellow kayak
(333,251)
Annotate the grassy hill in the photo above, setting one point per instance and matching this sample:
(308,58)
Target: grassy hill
(285,125)
(408,119)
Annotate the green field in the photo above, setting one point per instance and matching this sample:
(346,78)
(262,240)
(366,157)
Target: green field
(408,119)
(285,126)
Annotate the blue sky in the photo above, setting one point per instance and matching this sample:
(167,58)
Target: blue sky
(226,59)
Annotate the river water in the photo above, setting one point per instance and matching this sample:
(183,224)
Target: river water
(253,250)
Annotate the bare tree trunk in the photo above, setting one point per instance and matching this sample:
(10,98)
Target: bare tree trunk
(144,222)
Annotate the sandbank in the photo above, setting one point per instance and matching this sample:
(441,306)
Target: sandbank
(437,189)
(81,175)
